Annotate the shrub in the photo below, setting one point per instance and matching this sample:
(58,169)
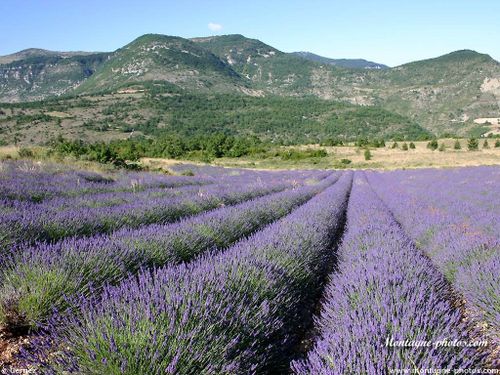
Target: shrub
(412,145)
(294,154)
(442,147)
(368,154)
(485,144)
(332,142)
(394,145)
(433,145)
(345,161)
(457,145)
(497,143)
(473,144)
(404,147)
(25,153)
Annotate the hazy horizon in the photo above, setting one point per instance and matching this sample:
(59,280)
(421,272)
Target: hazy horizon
(386,32)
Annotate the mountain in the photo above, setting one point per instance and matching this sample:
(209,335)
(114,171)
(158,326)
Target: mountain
(35,74)
(176,60)
(237,51)
(345,63)
(269,69)
(37,52)
(444,94)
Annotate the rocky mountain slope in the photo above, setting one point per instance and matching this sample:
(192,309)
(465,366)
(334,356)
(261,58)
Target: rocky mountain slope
(37,74)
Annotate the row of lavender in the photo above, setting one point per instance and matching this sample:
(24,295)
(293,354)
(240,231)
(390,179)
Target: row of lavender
(61,217)
(36,182)
(40,278)
(235,311)
(454,218)
(215,307)
(387,308)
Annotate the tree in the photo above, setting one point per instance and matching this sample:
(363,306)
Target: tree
(218,145)
(457,145)
(473,144)
(412,145)
(172,147)
(404,147)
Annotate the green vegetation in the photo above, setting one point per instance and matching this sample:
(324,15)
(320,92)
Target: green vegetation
(457,145)
(203,148)
(368,154)
(472,144)
(412,145)
(433,145)
(164,110)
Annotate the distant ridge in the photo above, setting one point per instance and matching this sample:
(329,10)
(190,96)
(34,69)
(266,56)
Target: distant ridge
(345,63)
(38,52)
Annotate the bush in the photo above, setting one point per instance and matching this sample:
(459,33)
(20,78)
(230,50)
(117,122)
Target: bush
(442,147)
(332,142)
(433,145)
(457,145)
(473,144)
(404,147)
(294,154)
(497,143)
(486,144)
(412,145)
(25,153)
(394,145)
(345,161)
(368,154)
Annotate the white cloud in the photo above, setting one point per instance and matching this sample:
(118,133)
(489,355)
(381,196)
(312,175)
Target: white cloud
(215,26)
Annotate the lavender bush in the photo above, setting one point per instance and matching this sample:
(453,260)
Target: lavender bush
(36,182)
(45,223)
(227,313)
(37,280)
(455,221)
(385,292)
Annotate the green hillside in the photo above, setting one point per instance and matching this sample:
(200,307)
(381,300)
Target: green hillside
(444,94)
(163,111)
(236,50)
(164,58)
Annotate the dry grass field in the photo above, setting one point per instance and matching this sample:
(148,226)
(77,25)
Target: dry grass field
(382,158)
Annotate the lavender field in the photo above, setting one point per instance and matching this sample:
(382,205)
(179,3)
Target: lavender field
(227,271)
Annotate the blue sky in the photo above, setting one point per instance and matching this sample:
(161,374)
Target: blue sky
(386,31)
